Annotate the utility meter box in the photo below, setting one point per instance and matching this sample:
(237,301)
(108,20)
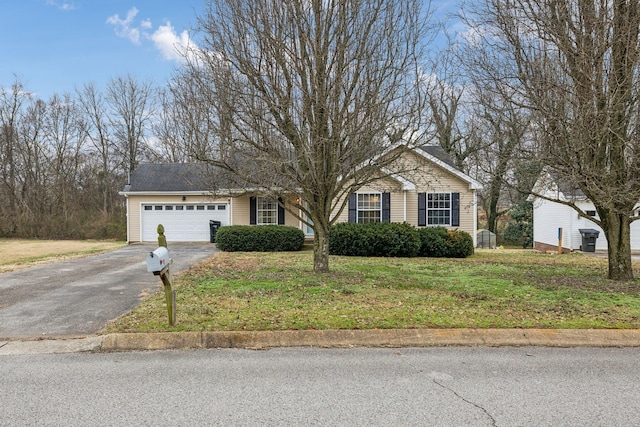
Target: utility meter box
(157,260)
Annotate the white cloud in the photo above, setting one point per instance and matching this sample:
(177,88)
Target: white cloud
(62,6)
(172,45)
(123,27)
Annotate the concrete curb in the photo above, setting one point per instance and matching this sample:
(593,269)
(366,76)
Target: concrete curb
(329,339)
(374,338)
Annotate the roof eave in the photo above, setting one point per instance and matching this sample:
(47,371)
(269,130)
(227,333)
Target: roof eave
(166,193)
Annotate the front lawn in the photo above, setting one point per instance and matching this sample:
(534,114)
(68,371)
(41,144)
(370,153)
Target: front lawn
(491,289)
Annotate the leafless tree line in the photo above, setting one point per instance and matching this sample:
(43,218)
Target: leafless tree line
(63,160)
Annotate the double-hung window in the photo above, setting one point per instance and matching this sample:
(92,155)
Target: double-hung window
(369,207)
(439,209)
(267,211)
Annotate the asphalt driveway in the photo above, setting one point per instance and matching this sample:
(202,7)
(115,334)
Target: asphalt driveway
(78,297)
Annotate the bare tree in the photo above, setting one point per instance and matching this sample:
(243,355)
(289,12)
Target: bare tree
(65,136)
(131,107)
(309,95)
(577,64)
(12,101)
(168,127)
(94,108)
(186,131)
(501,130)
(450,109)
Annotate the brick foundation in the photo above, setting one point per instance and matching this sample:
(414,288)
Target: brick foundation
(545,247)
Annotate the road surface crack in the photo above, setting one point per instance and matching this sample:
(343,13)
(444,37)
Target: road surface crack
(459,396)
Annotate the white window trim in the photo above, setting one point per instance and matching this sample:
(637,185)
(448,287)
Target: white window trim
(358,210)
(259,201)
(448,224)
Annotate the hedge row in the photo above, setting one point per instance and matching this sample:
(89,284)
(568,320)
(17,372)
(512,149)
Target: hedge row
(259,238)
(373,239)
(398,240)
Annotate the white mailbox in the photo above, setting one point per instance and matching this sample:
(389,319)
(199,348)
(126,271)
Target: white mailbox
(157,260)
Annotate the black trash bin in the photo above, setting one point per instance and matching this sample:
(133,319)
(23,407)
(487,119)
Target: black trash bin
(589,236)
(213,229)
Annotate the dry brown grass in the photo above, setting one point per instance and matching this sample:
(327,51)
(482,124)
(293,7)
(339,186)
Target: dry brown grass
(17,254)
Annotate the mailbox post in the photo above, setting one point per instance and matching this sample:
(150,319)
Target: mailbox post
(159,263)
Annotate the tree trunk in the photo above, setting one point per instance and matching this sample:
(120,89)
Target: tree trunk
(618,230)
(320,250)
(492,214)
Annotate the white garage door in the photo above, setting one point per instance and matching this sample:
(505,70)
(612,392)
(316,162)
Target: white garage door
(182,223)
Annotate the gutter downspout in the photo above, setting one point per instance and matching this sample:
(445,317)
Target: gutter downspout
(404,207)
(126,196)
(475,216)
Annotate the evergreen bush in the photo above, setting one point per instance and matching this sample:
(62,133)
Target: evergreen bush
(259,238)
(433,242)
(374,239)
(459,244)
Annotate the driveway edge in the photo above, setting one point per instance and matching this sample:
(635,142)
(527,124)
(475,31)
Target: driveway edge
(373,338)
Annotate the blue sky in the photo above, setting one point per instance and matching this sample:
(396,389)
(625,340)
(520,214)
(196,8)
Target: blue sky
(56,45)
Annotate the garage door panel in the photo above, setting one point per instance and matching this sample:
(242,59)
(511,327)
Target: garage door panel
(182,223)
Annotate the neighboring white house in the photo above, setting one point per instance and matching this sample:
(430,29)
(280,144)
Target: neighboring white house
(549,217)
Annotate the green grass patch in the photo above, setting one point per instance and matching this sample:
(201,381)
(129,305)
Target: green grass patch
(491,289)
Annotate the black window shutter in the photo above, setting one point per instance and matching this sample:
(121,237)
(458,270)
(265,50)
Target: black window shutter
(455,209)
(253,211)
(353,204)
(386,207)
(280,211)
(422,209)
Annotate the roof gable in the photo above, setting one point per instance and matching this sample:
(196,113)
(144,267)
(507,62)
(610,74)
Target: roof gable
(437,155)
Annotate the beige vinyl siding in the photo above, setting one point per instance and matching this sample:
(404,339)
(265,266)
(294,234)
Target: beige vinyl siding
(241,214)
(412,207)
(290,219)
(240,210)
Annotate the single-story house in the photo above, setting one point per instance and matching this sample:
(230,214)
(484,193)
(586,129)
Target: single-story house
(549,217)
(178,197)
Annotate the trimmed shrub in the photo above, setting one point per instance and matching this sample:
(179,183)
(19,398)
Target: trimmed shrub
(439,242)
(259,238)
(433,242)
(374,239)
(460,244)
(348,239)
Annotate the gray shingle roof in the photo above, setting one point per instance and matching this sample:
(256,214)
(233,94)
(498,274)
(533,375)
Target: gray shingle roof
(170,177)
(439,153)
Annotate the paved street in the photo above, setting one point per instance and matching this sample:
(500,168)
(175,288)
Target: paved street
(448,386)
(77,297)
